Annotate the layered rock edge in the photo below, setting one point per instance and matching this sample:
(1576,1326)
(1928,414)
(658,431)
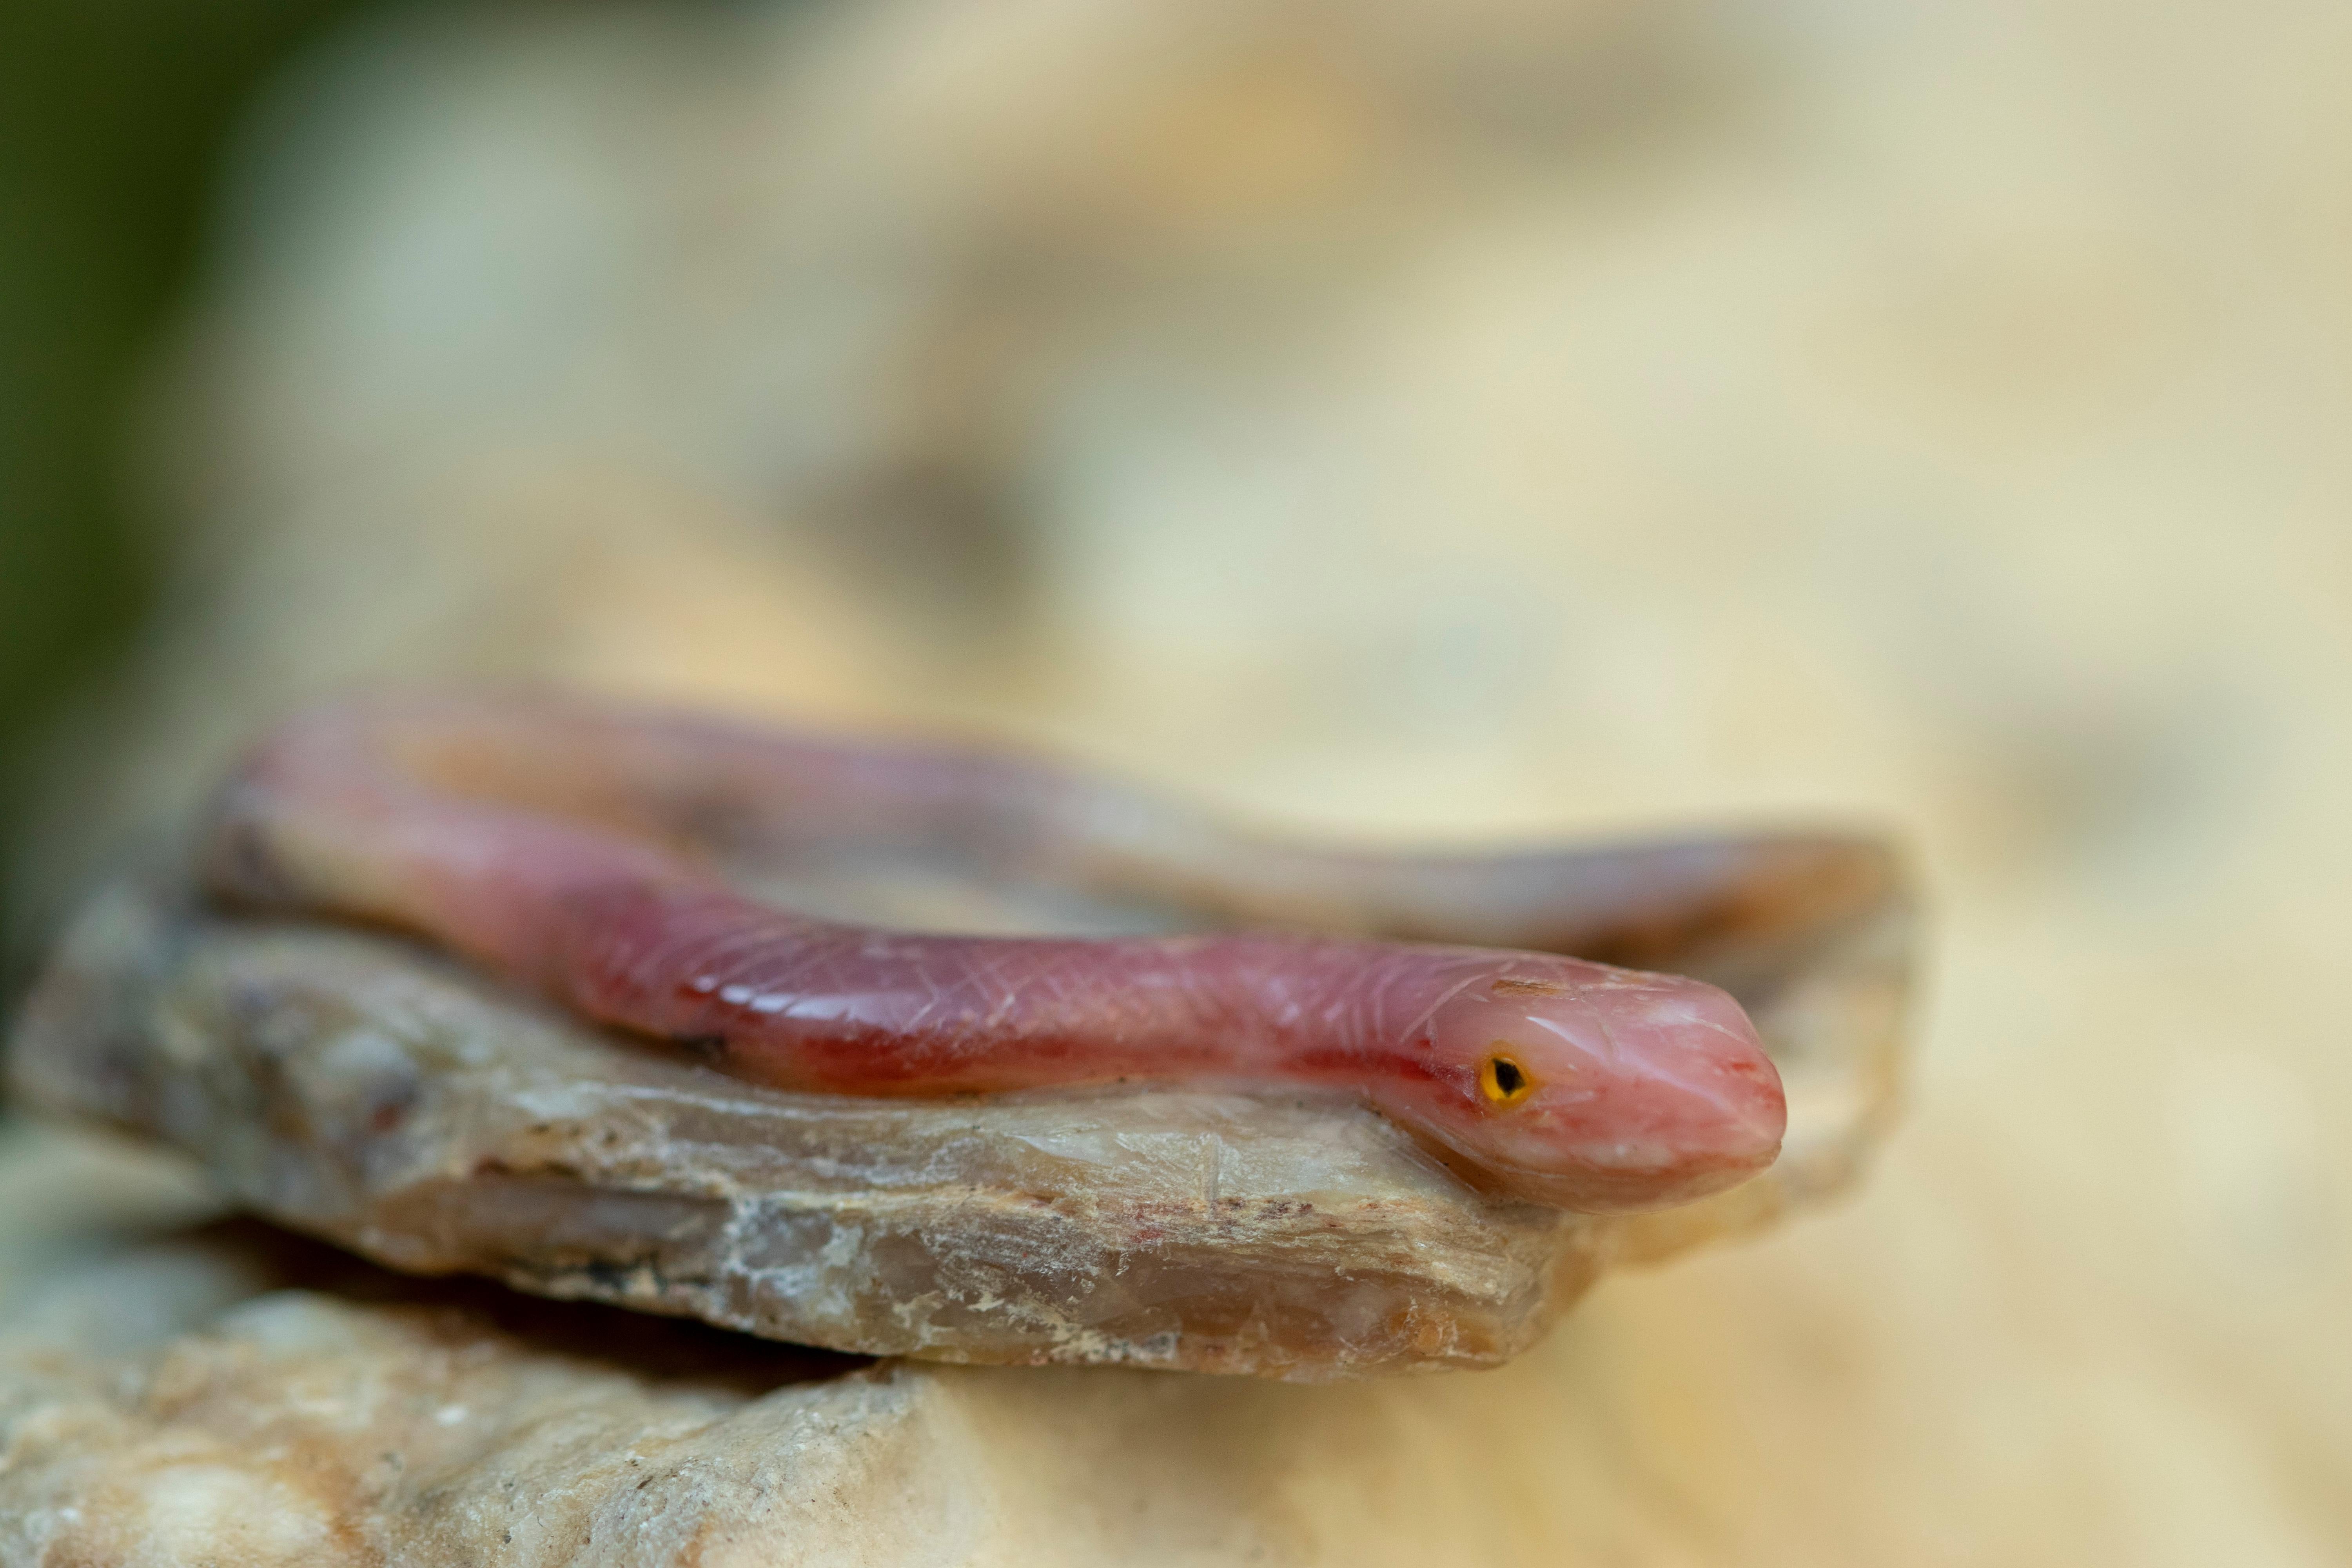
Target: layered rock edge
(362,1088)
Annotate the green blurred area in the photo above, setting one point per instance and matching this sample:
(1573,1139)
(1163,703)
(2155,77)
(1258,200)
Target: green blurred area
(115,116)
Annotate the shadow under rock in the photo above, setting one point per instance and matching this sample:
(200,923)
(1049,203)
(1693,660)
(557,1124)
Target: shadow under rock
(668,1350)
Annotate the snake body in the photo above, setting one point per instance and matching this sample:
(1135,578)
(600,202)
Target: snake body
(576,848)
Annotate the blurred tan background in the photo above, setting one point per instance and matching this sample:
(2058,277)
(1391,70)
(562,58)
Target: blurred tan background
(1466,422)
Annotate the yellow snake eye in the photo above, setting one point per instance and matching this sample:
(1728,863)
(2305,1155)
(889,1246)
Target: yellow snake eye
(1502,1080)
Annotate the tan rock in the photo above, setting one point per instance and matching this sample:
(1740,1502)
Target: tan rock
(360,1088)
(190,1403)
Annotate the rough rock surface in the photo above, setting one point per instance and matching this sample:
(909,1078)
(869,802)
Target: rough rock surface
(177,1390)
(360,1088)
(216,1399)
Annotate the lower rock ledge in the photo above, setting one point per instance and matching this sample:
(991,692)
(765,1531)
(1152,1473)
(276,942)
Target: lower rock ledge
(355,1087)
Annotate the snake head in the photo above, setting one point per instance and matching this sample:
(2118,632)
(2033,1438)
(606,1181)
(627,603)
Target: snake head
(1603,1089)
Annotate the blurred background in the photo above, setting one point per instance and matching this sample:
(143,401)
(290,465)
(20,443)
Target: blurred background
(1472,422)
(113,125)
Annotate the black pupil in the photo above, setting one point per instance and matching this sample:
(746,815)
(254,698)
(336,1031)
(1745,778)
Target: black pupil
(1508,1076)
